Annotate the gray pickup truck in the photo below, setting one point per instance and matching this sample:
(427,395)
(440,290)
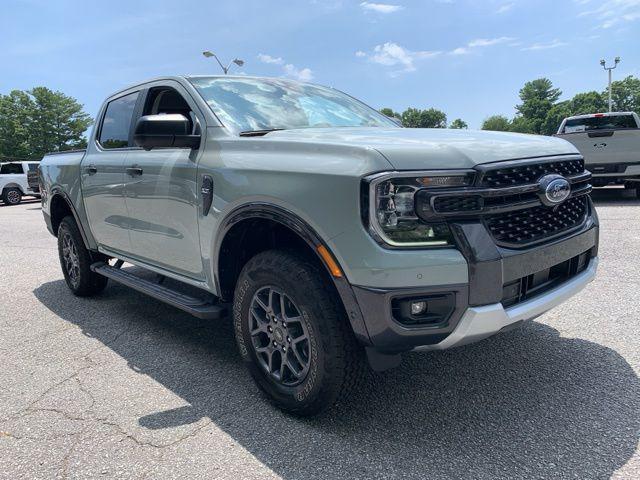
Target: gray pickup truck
(331,235)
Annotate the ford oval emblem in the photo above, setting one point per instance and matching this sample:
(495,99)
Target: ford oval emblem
(554,189)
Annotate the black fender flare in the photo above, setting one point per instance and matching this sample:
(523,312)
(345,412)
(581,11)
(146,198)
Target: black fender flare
(311,238)
(57,192)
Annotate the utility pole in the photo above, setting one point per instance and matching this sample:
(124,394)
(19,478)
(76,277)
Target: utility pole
(609,69)
(237,61)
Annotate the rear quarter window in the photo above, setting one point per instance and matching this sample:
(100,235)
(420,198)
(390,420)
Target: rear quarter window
(11,169)
(116,123)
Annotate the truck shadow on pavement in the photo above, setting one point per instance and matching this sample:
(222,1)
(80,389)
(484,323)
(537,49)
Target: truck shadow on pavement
(527,403)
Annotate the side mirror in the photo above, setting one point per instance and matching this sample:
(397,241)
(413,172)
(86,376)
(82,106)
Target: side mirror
(168,131)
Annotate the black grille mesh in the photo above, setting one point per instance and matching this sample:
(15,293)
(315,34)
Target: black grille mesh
(458,204)
(524,174)
(533,224)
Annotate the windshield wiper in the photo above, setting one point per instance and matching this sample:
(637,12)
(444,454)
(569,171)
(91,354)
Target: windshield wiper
(258,133)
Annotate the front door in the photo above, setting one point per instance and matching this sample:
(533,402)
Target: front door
(162,197)
(102,175)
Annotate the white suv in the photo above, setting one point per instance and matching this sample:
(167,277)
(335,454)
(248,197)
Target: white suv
(13,181)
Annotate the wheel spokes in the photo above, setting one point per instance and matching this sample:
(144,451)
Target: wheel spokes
(278,333)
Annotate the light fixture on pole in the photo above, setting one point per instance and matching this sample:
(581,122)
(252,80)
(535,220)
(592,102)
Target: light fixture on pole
(609,69)
(237,61)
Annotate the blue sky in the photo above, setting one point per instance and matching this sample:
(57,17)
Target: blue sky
(468,58)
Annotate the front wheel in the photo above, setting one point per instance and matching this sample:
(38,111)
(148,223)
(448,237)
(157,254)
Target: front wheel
(76,259)
(11,196)
(293,334)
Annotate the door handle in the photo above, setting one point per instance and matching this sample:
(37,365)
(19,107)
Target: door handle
(92,170)
(134,171)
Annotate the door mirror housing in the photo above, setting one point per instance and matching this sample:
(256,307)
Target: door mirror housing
(165,131)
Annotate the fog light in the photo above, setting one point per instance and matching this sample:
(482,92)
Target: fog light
(418,308)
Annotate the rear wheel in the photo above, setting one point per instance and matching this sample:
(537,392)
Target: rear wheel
(76,259)
(11,196)
(293,334)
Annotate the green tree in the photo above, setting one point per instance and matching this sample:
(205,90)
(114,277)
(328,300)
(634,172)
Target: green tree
(522,124)
(430,118)
(40,120)
(625,95)
(496,123)
(391,114)
(14,124)
(458,123)
(554,118)
(538,97)
(587,102)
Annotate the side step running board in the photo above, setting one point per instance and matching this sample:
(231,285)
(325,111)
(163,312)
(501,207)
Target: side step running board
(197,307)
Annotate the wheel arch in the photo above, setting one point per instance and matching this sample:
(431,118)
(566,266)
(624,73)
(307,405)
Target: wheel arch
(228,248)
(61,206)
(14,185)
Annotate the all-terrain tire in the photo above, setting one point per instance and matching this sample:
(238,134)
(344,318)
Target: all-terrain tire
(76,261)
(11,196)
(336,362)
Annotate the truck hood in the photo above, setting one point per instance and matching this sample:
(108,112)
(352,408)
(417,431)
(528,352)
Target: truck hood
(423,148)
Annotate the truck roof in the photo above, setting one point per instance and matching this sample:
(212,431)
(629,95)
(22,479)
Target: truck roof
(188,77)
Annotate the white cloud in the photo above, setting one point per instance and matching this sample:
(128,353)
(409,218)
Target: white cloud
(545,46)
(288,69)
(460,51)
(612,12)
(304,74)
(380,7)
(487,42)
(505,8)
(393,55)
(479,43)
(269,59)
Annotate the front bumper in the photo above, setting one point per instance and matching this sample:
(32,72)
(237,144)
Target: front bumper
(478,309)
(478,323)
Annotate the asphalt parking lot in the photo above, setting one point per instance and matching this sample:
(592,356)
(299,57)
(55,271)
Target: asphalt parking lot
(123,386)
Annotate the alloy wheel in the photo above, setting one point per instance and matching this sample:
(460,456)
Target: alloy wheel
(13,197)
(279,336)
(71,261)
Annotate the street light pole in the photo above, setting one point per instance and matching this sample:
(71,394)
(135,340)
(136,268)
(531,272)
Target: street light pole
(609,69)
(237,61)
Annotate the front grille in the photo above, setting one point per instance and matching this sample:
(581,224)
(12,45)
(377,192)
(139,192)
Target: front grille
(531,225)
(537,283)
(458,204)
(529,173)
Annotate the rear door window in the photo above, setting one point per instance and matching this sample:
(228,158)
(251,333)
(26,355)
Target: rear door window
(606,122)
(116,123)
(11,169)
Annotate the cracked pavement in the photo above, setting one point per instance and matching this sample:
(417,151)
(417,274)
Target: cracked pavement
(122,386)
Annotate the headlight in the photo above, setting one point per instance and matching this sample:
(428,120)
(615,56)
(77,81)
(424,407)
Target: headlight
(391,207)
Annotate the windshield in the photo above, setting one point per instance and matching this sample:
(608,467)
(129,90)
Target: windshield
(249,104)
(605,122)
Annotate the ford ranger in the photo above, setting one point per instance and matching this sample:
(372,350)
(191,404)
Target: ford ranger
(610,144)
(332,235)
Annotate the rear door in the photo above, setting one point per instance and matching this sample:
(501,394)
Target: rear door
(161,191)
(102,174)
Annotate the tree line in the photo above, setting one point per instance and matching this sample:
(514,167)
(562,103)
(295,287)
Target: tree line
(539,110)
(34,122)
